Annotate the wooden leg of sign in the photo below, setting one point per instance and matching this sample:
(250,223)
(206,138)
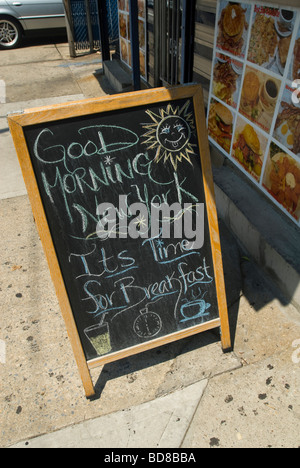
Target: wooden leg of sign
(225,339)
(78,353)
(223,310)
(50,252)
(208,183)
(87,383)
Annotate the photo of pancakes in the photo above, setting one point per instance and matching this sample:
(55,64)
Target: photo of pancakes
(259,97)
(233,27)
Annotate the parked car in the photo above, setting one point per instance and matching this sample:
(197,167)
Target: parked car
(20,17)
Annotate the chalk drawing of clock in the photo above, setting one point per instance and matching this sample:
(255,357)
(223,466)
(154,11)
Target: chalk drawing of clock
(148,324)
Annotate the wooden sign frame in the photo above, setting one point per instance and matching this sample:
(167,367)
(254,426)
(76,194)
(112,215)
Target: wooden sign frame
(17,124)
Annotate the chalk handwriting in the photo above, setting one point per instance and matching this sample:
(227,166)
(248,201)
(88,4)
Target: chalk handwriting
(78,176)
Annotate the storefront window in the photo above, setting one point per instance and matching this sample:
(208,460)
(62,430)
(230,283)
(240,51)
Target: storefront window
(254,102)
(125,39)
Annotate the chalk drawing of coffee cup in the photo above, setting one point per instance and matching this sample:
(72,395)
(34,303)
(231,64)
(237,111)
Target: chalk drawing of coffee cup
(194,310)
(99,337)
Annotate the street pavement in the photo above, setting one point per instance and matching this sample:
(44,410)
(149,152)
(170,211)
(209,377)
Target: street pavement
(187,394)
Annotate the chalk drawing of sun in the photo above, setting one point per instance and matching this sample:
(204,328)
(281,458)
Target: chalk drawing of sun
(170,134)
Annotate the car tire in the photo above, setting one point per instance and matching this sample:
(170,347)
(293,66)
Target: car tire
(10,33)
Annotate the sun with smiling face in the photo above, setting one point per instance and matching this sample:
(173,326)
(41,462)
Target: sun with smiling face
(170,134)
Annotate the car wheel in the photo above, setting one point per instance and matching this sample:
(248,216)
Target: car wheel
(10,33)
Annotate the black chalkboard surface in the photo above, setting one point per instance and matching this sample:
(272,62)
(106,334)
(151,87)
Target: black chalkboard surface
(124,188)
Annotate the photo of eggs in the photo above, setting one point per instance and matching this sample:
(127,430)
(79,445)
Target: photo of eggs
(287,127)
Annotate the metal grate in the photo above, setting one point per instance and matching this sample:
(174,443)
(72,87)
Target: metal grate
(81,25)
(171,40)
(112,20)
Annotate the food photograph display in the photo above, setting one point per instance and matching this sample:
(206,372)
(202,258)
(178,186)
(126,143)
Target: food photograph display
(124,30)
(220,122)
(254,100)
(249,148)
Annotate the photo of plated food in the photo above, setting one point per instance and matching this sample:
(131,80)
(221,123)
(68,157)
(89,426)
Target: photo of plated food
(220,125)
(287,127)
(123,23)
(124,50)
(125,35)
(282,180)
(233,27)
(263,40)
(284,26)
(283,51)
(296,60)
(142,8)
(254,96)
(294,73)
(250,92)
(270,38)
(260,92)
(248,148)
(227,76)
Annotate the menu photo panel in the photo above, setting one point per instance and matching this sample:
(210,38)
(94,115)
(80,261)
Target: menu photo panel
(254,100)
(125,34)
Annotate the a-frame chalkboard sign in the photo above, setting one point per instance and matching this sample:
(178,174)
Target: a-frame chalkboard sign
(122,193)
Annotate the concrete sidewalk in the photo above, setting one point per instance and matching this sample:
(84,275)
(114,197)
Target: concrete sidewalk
(47,71)
(37,76)
(188,394)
